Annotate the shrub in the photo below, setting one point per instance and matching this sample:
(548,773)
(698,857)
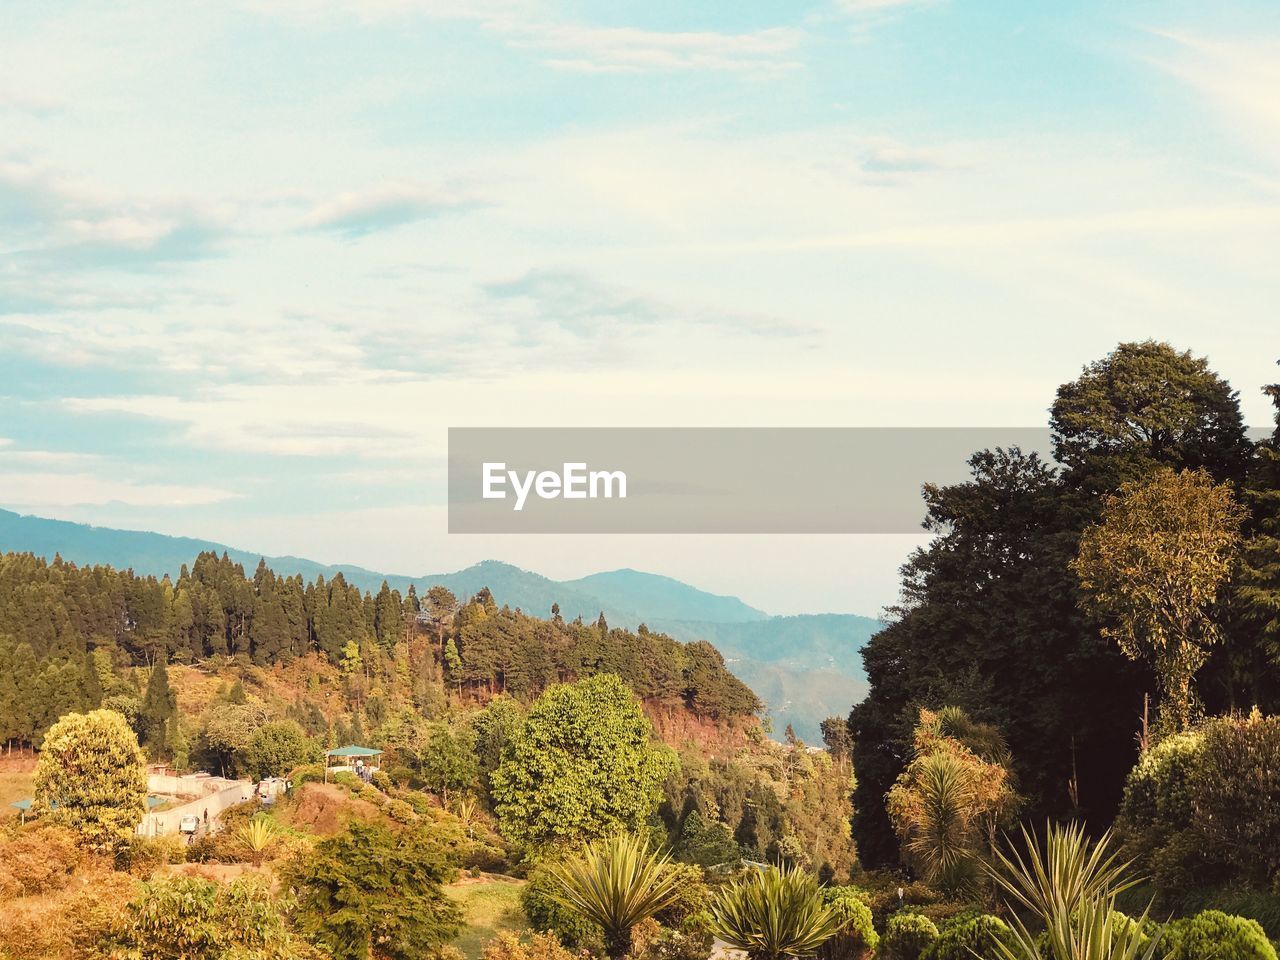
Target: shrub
(965,939)
(222,847)
(1203,808)
(1236,795)
(71,922)
(652,941)
(40,859)
(310,773)
(693,896)
(400,811)
(907,936)
(141,856)
(186,918)
(1157,793)
(370,886)
(857,936)
(884,903)
(538,946)
(1213,935)
(546,914)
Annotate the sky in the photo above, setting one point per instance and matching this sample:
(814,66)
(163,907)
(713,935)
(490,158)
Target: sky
(256,257)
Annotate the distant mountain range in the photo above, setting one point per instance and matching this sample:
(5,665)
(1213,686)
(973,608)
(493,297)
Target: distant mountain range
(805,668)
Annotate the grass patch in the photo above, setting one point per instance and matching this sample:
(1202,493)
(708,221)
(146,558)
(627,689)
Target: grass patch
(13,786)
(489,907)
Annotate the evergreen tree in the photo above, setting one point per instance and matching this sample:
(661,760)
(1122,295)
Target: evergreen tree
(159,716)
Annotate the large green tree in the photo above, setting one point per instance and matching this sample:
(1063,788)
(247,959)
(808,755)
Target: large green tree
(582,765)
(1143,406)
(371,893)
(92,776)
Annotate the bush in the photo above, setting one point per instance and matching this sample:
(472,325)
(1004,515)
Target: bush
(1203,808)
(222,847)
(39,859)
(186,917)
(652,941)
(857,936)
(1236,795)
(907,936)
(400,811)
(1213,935)
(370,885)
(538,946)
(885,902)
(72,922)
(141,857)
(311,773)
(547,915)
(1157,793)
(693,896)
(964,939)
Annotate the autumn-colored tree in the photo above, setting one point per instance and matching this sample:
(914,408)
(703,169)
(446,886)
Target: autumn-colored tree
(951,800)
(92,776)
(1153,568)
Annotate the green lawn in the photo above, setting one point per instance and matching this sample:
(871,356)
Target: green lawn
(489,908)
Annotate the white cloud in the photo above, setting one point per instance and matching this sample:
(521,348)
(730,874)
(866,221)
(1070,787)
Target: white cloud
(357,213)
(1240,77)
(570,46)
(36,490)
(47,458)
(52,220)
(589,49)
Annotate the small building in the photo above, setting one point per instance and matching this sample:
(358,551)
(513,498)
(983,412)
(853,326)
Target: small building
(346,759)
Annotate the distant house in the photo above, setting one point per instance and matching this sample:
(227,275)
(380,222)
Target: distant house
(346,758)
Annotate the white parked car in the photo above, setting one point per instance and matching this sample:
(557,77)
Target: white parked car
(189,824)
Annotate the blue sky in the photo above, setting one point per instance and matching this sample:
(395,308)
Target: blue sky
(257,257)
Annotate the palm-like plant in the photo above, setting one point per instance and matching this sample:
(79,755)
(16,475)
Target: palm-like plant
(1071,871)
(774,913)
(257,837)
(616,883)
(1071,887)
(942,838)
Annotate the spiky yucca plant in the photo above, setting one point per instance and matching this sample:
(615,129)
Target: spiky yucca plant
(1070,871)
(257,837)
(1071,887)
(616,882)
(774,913)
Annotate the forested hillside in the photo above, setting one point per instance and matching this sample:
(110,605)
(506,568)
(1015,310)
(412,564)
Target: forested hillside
(805,668)
(66,630)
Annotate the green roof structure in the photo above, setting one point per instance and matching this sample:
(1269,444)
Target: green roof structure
(353,751)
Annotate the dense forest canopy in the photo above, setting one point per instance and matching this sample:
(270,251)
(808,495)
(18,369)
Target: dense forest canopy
(994,619)
(67,631)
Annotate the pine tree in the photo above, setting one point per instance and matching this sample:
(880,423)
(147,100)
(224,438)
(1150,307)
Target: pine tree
(159,716)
